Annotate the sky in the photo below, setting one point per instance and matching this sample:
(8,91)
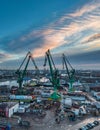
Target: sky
(71,27)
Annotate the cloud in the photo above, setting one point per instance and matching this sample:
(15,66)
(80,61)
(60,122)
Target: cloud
(84,23)
(4,57)
(67,34)
(92,38)
(89,60)
(85,10)
(50,42)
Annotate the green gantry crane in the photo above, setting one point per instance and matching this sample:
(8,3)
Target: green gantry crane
(21,73)
(54,75)
(71,72)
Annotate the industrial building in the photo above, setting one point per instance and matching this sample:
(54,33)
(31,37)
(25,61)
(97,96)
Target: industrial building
(7,109)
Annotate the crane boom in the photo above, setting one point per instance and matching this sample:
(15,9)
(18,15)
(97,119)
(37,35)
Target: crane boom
(54,74)
(33,61)
(71,73)
(24,60)
(22,73)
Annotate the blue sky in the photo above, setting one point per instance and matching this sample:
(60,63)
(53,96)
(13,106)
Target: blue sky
(68,26)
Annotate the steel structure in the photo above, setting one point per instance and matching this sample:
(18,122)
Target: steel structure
(54,75)
(70,72)
(22,72)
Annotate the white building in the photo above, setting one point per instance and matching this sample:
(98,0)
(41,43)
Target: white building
(8,108)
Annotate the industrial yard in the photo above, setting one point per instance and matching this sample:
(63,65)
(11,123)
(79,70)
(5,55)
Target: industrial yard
(65,99)
(49,64)
(49,123)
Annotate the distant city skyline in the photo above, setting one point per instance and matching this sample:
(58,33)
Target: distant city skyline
(69,26)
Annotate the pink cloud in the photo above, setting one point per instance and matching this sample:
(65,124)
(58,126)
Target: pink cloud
(52,37)
(85,9)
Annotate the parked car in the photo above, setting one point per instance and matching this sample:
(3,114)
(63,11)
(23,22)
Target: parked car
(96,122)
(90,125)
(84,128)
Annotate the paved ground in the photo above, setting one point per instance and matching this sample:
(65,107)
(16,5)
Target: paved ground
(48,122)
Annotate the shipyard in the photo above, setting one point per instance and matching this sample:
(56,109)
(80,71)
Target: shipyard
(49,98)
(49,65)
